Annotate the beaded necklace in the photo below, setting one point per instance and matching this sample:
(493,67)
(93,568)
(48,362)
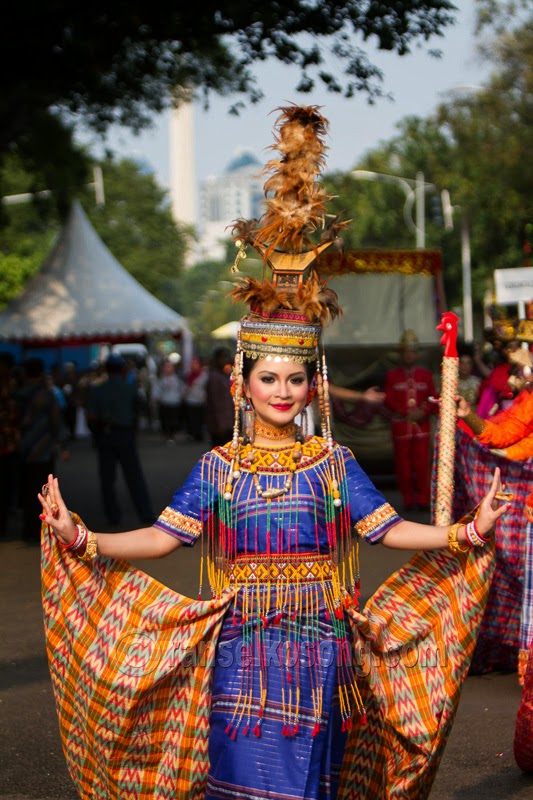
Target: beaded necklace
(271,492)
(267,431)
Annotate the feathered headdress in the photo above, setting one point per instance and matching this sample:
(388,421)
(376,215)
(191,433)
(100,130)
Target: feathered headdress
(295,212)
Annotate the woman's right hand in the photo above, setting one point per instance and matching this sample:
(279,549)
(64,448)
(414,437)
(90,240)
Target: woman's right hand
(463,407)
(55,513)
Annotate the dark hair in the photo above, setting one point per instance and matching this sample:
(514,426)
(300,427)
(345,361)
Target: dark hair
(249,363)
(7,359)
(221,356)
(34,367)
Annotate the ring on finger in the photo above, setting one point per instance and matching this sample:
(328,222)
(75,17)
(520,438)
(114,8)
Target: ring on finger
(54,509)
(45,490)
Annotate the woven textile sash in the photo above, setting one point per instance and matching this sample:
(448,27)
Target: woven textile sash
(499,636)
(297,568)
(131,664)
(417,636)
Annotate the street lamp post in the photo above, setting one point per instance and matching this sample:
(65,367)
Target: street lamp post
(415,193)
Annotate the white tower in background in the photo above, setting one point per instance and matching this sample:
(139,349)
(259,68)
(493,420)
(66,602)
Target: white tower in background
(183,167)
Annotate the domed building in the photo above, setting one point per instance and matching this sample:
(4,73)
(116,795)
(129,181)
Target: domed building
(236,193)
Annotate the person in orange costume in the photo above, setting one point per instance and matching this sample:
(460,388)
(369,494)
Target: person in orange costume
(510,434)
(407,392)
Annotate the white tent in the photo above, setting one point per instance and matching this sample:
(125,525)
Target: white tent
(83,294)
(227,331)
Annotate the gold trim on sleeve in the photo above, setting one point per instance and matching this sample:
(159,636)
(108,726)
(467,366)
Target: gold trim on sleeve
(175,519)
(374,520)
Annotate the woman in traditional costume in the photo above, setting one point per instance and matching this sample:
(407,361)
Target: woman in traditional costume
(277,686)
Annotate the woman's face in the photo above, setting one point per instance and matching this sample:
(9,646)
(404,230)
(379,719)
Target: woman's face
(278,391)
(465,366)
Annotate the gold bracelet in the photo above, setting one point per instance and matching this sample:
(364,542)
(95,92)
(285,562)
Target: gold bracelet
(91,548)
(474,422)
(454,545)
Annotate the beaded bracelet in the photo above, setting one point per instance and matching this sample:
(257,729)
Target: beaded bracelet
(454,545)
(476,529)
(79,540)
(472,536)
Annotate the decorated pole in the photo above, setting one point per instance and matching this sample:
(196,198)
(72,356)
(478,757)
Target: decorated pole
(448,419)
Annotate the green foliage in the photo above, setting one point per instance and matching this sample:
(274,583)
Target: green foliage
(477,146)
(203,293)
(490,134)
(27,230)
(137,226)
(123,62)
(14,272)
(44,158)
(499,15)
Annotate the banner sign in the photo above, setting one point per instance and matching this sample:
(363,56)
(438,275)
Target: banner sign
(514,285)
(403,262)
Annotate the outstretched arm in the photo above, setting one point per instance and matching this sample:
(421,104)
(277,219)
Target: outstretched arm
(415,536)
(371,395)
(507,428)
(130,545)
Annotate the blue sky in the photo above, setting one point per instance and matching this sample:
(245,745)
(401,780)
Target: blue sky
(418,83)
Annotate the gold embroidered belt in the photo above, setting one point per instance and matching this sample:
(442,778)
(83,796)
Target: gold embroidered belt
(294,568)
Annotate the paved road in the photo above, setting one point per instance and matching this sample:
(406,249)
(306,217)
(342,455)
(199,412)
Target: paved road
(478,761)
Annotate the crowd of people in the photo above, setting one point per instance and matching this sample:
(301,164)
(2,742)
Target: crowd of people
(197,406)
(43,412)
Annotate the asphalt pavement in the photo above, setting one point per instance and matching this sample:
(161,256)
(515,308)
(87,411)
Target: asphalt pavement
(478,761)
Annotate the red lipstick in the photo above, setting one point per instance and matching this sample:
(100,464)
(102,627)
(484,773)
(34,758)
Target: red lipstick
(282,406)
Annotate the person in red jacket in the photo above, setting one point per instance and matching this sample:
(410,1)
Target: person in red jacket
(407,392)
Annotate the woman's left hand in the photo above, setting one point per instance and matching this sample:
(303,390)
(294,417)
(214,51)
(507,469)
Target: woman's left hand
(490,509)
(55,513)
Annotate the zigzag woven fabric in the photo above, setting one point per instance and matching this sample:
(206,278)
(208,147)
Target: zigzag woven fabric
(499,638)
(418,633)
(131,664)
(526,625)
(523,737)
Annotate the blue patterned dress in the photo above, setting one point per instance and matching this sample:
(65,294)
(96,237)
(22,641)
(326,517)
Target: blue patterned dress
(284,691)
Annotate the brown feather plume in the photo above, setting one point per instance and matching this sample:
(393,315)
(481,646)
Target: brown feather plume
(295,208)
(244,229)
(317,301)
(313,299)
(260,294)
(298,204)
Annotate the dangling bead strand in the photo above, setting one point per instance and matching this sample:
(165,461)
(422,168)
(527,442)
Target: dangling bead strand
(326,413)
(234,468)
